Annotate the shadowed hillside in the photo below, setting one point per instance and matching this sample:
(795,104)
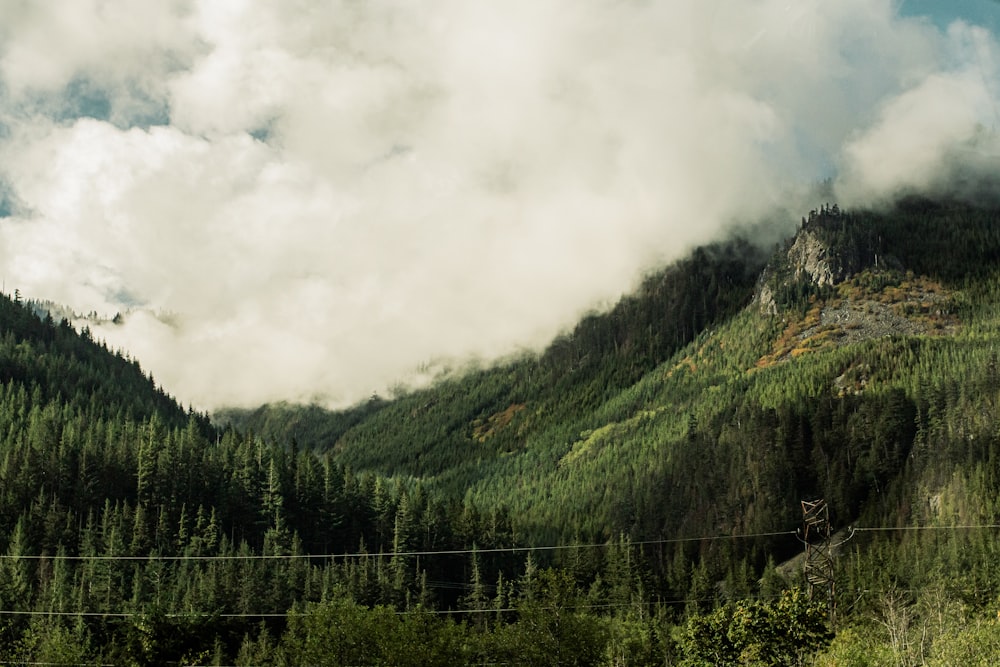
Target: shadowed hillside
(625,497)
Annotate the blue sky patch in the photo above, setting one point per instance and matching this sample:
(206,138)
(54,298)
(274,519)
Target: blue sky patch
(985,13)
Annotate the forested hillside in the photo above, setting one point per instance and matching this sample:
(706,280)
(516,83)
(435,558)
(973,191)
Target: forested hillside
(55,363)
(463,429)
(681,384)
(631,496)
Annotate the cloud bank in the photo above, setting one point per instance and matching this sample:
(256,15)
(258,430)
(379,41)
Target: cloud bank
(315,200)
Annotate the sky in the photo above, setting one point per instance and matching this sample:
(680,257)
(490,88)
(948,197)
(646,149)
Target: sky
(984,13)
(315,200)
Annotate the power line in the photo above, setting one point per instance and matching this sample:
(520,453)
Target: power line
(25,612)
(20,663)
(263,615)
(902,528)
(387,554)
(459,552)
(436,612)
(346,555)
(462,612)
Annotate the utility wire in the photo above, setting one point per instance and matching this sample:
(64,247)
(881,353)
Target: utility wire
(450,612)
(458,552)
(431,553)
(387,554)
(900,528)
(21,663)
(437,612)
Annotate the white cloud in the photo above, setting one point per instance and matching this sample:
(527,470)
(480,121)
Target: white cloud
(122,46)
(933,128)
(452,179)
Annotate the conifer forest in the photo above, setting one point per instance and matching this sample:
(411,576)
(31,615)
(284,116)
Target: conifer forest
(633,495)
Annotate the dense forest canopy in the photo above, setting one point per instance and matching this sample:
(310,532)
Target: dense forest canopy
(630,496)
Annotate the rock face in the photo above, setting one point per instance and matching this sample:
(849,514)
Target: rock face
(808,261)
(764,298)
(811,261)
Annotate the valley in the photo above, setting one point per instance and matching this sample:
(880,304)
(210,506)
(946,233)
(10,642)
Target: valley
(633,495)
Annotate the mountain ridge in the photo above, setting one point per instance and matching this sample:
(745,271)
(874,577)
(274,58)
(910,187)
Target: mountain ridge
(655,458)
(849,293)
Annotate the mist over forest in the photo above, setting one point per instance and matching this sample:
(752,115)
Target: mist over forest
(592,333)
(320,201)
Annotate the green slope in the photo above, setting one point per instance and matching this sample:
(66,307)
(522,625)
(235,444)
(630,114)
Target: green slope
(687,410)
(128,525)
(465,428)
(53,361)
(707,405)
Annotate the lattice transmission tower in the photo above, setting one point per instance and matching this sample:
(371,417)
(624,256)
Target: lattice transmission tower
(818,565)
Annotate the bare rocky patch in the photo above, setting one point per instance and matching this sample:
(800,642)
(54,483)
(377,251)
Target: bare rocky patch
(869,305)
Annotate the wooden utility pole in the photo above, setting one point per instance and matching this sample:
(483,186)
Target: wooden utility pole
(818,566)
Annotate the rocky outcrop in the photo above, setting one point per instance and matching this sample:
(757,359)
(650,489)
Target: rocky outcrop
(813,260)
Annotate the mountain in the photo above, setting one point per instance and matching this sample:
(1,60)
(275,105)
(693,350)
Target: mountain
(857,364)
(732,384)
(485,422)
(57,364)
(625,497)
